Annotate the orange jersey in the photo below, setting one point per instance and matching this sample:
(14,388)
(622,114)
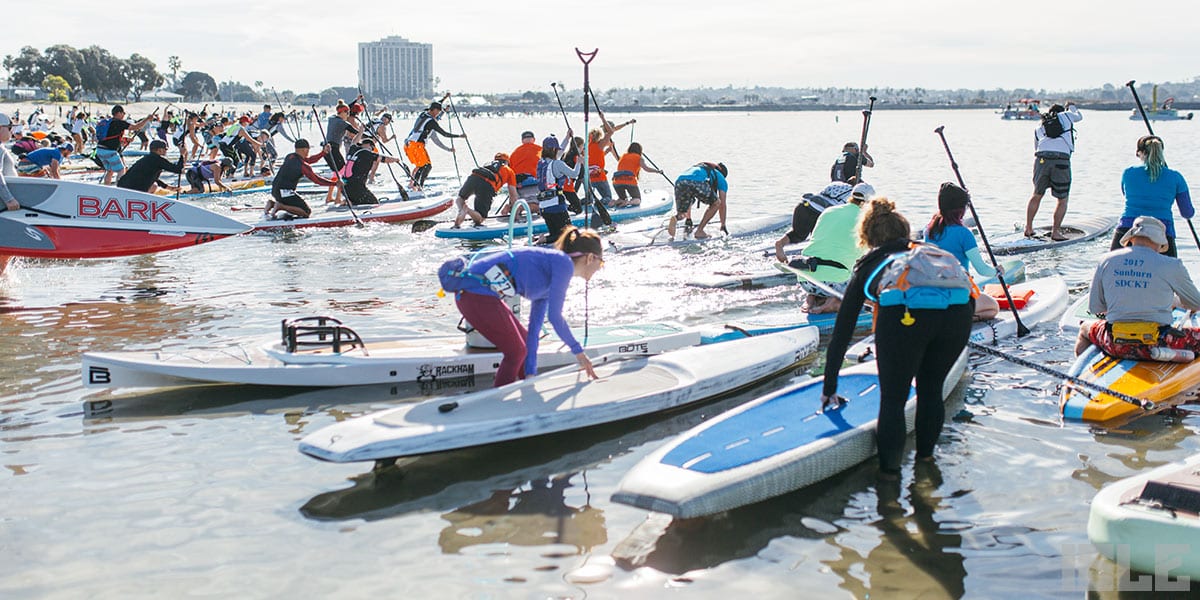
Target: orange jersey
(596,170)
(525,159)
(628,169)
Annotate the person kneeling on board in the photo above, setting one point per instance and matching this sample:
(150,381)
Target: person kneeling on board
(806,213)
(359,165)
(283,189)
(832,252)
(45,162)
(206,171)
(946,231)
(144,174)
(1134,290)
(541,275)
(919,331)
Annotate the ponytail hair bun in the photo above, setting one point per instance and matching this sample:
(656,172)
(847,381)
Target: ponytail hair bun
(583,241)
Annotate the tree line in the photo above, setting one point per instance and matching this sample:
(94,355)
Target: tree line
(63,70)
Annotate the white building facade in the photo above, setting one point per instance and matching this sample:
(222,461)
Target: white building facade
(395,68)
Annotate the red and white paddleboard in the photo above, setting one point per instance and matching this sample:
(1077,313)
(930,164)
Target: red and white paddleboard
(387,211)
(73,219)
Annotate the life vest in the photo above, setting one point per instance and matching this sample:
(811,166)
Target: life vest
(351,168)
(491,174)
(418,133)
(549,186)
(838,171)
(596,170)
(628,169)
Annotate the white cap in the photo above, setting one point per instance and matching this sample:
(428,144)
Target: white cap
(863,190)
(4,120)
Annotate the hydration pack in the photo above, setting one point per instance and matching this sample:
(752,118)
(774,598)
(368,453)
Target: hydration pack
(455,275)
(1052,125)
(102,130)
(924,276)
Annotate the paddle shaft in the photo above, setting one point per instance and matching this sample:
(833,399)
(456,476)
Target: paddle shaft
(862,140)
(586,58)
(1022,330)
(337,176)
(1150,129)
(463,130)
(1083,383)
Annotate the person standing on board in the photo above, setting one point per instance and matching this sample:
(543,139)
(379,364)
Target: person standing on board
(553,175)
(1135,290)
(1150,189)
(703,183)
(359,166)
(144,174)
(625,178)
(109,146)
(535,273)
(946,231)
(846,166)
(1054,142)
(919,342)
(426,127)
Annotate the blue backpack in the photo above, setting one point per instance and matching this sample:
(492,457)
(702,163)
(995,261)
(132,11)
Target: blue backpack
(102,130)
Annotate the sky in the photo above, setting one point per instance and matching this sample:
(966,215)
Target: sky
(488,46)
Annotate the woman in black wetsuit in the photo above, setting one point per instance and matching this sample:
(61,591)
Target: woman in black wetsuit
(920,343)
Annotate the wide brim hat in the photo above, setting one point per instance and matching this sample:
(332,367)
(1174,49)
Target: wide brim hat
(1149,228)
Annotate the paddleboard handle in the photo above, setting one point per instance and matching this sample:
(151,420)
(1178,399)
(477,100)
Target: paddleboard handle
(447,407)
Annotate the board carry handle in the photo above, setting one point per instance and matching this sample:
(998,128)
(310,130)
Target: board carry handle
(328,332)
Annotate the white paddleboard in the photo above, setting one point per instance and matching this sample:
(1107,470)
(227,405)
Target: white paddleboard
(562,400)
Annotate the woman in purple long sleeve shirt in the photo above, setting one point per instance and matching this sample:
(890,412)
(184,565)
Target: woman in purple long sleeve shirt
(541,275)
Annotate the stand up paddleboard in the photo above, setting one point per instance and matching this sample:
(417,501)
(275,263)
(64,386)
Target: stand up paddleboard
(658,236)
(767,447)
(563,400)
(1014,272)
(1151,522)
(653,203)
(388,211)
(1078,230)
(71,219)
(1163,383)
(321,352)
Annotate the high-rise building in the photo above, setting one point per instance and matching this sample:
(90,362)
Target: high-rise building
(395,68)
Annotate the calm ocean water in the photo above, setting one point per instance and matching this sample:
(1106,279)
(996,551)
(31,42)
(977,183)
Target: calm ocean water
(202,493)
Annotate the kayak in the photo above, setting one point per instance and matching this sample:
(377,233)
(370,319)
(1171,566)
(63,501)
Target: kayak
(1014,272)
(653,203)
(657,237)
(1150,522)
(766,447)
(1078,230)
(387,211)
(1159,382)
(71,219)
(353,361)
(563,400)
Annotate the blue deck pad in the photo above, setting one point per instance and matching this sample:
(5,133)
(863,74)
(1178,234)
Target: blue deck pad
(784,422)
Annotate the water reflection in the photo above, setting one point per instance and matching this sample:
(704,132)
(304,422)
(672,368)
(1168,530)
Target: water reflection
(536,514)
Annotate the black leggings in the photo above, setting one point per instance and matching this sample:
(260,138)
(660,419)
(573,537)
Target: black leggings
(1171,251)
(925,350)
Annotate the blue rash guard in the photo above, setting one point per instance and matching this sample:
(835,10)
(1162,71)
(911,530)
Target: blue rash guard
(1144,198)
(540,275)
(699,173)
(43,157)
(957,240)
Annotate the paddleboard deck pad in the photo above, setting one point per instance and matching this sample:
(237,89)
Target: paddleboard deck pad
(1077,230)
(767,447)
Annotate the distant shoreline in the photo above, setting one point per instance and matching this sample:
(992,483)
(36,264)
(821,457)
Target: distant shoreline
(26,106)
